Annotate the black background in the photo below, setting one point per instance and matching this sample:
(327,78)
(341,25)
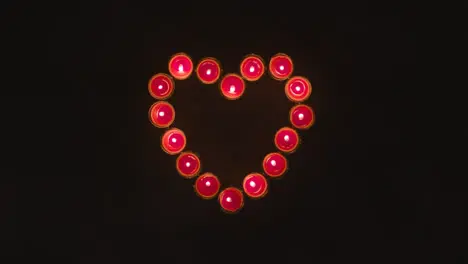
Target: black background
(86,181)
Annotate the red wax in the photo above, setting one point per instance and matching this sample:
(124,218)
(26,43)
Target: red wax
(275,164)
(188,164)
(298,89)
(180,66)
(173,141)
(161,86)
(207,185)
(302,116)
(281,66)
(208,70)
(255,185)
(231,199)
(162,114)
(232,86)
(252,68)
(286,139)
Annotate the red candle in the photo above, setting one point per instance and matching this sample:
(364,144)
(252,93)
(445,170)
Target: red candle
(286,139)
(161,86)
(281,66)
(188,164)
(207,185)
(252,68)
(231,200)
(302,116)
(298,89)
(255,185)
(275,164)
(232,86)
(162,114)
(180,66)
(173,141)
(208,70)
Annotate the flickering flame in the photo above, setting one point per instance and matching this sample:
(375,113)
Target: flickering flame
(286,138)
(251,69)
(232,89)
(161,113)
(252,184)
(181,68)
(208,72)
(281,67)
(273,162)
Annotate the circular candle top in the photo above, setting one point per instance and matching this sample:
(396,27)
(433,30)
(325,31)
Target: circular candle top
(231,199)
(298,89)
(281,66)
(255,185)
(252,68)
(207,185)
(232,86)
(162,114)
(286,139)
(173,141)
(275,164)
(188,164)
(161,86)
(180,66)
(208,70)
(302,116)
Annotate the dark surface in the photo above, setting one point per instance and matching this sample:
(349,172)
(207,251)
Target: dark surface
(88,183)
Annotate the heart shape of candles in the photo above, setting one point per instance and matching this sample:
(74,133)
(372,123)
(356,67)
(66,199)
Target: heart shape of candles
(232,86)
